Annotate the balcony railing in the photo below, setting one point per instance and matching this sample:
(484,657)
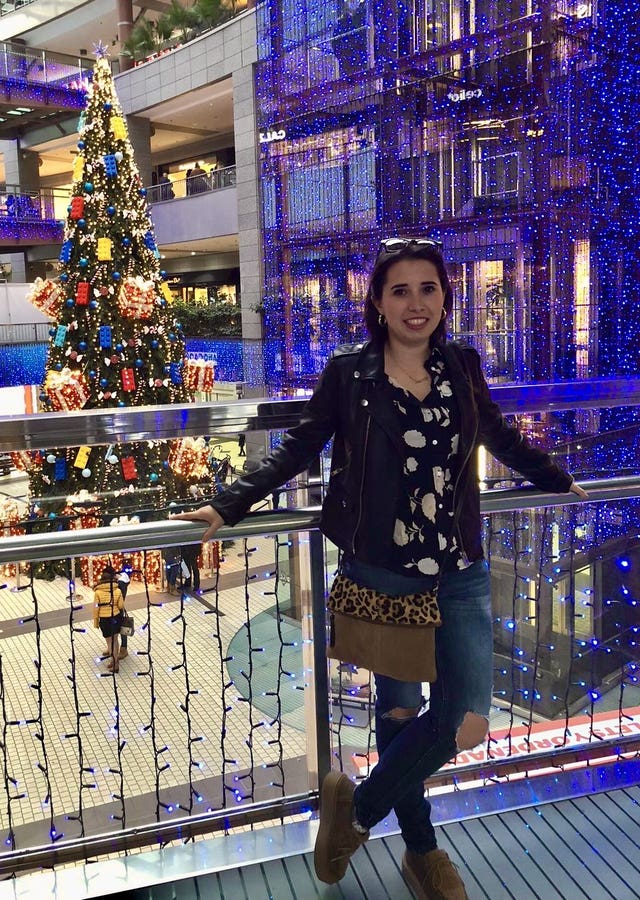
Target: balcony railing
(188,186)
(227,713)
(49,75)
(9,6)
(31,215)
(24,333)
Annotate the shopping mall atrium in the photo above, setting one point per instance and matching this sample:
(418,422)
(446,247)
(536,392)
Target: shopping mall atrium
(193,194)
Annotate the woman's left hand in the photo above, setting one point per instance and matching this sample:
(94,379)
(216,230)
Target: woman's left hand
(578,491)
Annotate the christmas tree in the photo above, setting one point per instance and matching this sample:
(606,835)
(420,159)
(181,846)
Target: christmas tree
(114,340)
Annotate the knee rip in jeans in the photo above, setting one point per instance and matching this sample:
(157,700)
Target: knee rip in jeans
(472,731)
(402,714)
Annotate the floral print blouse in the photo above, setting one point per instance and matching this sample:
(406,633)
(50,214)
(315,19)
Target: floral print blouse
(429,432)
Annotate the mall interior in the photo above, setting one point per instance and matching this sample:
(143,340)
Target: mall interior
(277,143)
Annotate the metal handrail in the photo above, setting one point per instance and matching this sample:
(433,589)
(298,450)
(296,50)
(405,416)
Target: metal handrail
(158,833)
(183,185)
(141,423)
(170,533)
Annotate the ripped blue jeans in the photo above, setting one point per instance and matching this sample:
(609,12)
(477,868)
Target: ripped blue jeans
(412,747)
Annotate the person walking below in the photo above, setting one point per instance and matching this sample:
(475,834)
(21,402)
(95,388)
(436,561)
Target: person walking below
(407,411)
(242,440)
(108,604)
(190,554)
(124,580)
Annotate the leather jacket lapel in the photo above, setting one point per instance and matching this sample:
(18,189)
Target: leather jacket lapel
(463,392)
(371,368)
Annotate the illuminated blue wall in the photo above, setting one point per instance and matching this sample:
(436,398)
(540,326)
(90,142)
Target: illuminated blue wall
(25,363)
(518,150)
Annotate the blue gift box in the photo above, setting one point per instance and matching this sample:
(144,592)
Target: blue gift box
(105,336)
(110,165)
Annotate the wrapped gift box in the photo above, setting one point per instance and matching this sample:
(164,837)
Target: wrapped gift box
(189,457)
(46,296)
(25,460)
(67,390)
(145,566)
(199,375)
(137,298)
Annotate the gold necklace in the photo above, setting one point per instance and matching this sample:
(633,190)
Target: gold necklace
(404,372)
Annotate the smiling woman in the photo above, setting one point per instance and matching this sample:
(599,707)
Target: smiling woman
(412,306)
(406,411)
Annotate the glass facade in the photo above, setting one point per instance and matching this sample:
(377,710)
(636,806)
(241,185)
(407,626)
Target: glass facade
(515,149)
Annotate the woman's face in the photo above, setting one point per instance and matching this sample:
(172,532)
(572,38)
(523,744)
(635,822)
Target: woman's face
(412,302)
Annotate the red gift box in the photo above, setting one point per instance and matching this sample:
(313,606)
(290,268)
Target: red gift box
(46,296)
(67,389)
(189,457)
(129,470)
(77,207)
(25,460)
(128,380)
(146,566)
(137,298)
(82,293)
(199,375)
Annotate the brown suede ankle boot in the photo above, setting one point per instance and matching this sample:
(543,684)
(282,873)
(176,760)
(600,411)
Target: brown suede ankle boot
(432,876)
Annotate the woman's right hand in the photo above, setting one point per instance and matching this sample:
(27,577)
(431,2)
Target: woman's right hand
(205,514)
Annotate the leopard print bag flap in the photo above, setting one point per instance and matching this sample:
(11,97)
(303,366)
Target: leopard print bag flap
(392,636)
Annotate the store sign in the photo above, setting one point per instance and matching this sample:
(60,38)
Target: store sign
(268,137)
(523,740)
(464,94)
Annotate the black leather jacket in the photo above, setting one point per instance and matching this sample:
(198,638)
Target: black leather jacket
(358,512)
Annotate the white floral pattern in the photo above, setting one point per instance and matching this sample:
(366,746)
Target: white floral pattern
(414,438)
(411,464)
(428,429)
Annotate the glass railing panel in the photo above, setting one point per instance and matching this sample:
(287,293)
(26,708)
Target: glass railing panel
(207,712)
(566,650)
(9,6)
(69,75)
(182,184)
(251,645)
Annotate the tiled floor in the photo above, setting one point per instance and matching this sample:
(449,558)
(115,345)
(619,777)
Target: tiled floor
(133,692)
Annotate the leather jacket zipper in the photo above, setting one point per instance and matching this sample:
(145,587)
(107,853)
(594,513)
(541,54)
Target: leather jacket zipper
(465,558)
(364,457)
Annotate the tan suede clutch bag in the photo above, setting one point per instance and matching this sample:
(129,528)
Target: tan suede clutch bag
(392,636)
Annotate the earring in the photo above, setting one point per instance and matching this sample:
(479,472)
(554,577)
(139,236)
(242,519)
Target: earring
(443,314)
(381,320)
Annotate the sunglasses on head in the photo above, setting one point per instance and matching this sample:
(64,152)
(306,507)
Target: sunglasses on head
(395,244)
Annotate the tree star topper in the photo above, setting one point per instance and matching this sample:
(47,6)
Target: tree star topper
(101,51)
